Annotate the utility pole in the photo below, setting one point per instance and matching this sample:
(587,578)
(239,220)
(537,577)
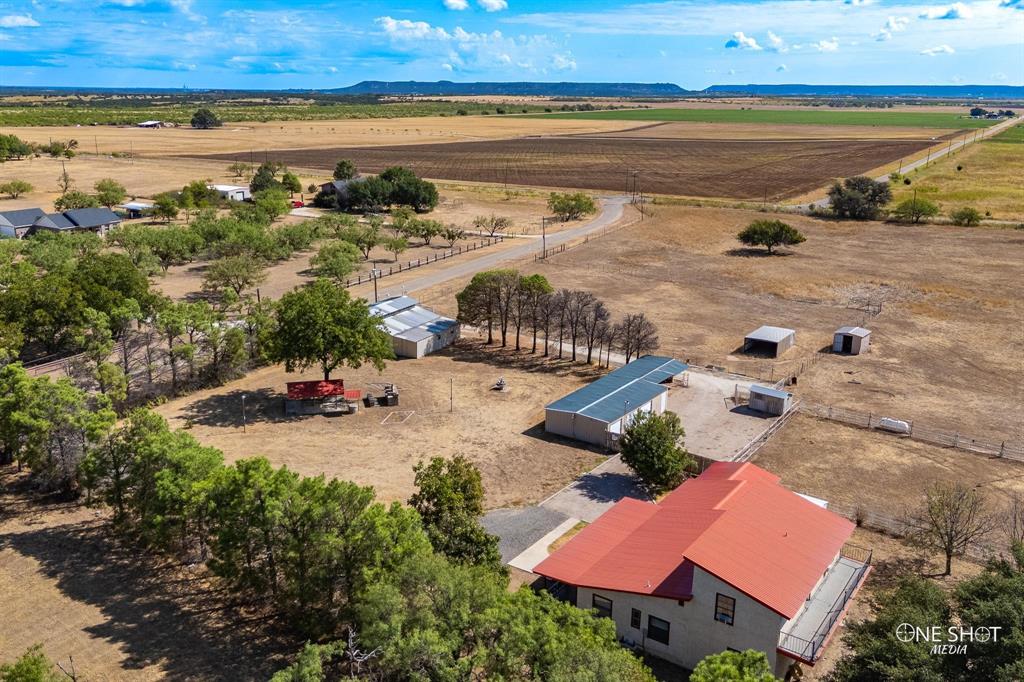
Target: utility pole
(243,413)
(451,394)
(96,142)
(375,273)
(543,237)
(764,204)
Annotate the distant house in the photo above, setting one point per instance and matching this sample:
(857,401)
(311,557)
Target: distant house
(599,412)
(415,331)
(28,221)
(729,560)
(150,124)
(232,192)
(135,209)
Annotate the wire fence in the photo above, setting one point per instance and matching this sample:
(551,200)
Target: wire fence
(420,262)
(1013,450)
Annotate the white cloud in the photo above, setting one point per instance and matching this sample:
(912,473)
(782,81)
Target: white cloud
(403,29)
(563,62)
(17,21)
(493,5)
(858,3)
(740,41)
(892,25)
(776,44)
(185,7)
(781,68)
(957,10)
(937,50)
(447,67)
(825,45)
(457,5)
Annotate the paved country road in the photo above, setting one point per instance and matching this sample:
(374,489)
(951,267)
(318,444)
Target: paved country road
(612,209)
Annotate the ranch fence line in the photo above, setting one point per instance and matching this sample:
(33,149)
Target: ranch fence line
(364,277)
(1005,449)
(561,248)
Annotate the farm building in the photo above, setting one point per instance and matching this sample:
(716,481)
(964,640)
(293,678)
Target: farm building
(773,341)
(415,331)
(135,209)
(150,124)
(232,192)
(728,560)
(599,412)
(28,221)
(320,397)
(851,340)
(770,400)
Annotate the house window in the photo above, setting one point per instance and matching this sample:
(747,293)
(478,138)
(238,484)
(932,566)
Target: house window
(634,619)
(603,606)
(725,609)
(657,629)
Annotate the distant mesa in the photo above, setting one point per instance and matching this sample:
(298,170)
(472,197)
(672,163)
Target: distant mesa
(526,88)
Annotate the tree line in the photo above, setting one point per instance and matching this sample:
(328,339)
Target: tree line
(394,186)
(508,302)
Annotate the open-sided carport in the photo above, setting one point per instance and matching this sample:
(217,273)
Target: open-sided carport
(771,341)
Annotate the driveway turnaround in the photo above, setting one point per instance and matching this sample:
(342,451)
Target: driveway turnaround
(520,528)
(594,493)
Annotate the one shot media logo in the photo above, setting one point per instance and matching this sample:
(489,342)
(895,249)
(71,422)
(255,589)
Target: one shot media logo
(947,640)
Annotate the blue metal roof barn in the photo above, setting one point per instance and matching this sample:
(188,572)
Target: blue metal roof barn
(599,408)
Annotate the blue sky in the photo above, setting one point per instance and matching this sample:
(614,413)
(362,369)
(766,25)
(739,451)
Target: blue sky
(318,44)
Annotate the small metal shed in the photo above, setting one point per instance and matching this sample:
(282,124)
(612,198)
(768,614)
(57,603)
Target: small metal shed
(851,340)
(770,400)
(773,341)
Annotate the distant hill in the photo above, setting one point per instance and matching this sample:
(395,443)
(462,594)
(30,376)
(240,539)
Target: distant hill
(930,91)
(564,89)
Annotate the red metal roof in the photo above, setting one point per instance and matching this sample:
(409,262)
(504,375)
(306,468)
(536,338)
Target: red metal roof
(303,390)
(734,521)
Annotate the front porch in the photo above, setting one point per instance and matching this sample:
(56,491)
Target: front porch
(804,636)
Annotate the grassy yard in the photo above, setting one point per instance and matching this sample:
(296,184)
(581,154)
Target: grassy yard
(922,119)
(988,179)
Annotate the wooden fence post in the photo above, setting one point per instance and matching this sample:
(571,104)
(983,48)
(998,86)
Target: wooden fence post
(956,440)
(1002,449)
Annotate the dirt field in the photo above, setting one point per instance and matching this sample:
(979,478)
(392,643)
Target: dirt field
(945,348)
(723,168)
(501,432)
(695,130)
(880,472)
(121,614)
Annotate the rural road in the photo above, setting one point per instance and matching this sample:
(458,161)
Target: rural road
(612,209)
(955,146)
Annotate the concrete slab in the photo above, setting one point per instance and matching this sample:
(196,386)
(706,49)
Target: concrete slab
(517,529)
(538,551)
(593,493)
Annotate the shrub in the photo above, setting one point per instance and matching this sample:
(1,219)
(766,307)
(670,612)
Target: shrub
(652,447)
(571,206)
(205,119)
(914,210)
(966,216)
(770,233)
(859,198)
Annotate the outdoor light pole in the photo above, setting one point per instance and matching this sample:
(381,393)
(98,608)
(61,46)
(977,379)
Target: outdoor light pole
(243,413)
(543,237)
(375,273)
(451,394)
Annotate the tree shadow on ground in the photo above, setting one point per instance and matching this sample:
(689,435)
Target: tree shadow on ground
(225,409)
(609,486)
(524,361)
(157,612)
(750,252)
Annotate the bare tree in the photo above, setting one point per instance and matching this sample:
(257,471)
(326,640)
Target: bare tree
(594,323)
(578,305)
(560,315)
(608,337)
(1015,519)
(507,287)
(646,339)
(952,517)
(547,308)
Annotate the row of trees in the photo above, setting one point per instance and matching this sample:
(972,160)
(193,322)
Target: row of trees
(13,147)
(395,186)
(509,302)
(861,198)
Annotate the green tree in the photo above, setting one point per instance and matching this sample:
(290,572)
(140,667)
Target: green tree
(344,170)
(966,216)
(371,194)
(733,666)
(450,499)
(33,666)
(236,273)
(363,237)
(75,199)
(492,224)
(652,446)
(291,182)
(322,325)
(13,147)
(174,245)
(409,190)
(914,210)
(110,192)
(239,169)
(395,245)
(770,233)
(336,261)
(951,518)
(204,119)
(165,206)
(478,302)
(309,665)
(265,178)
(859,198)
(571,206)
(452,234)
(423,229)
(272,201)
(15,188)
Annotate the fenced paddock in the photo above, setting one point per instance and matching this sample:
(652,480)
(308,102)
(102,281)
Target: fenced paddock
(420,262)
(1013,450)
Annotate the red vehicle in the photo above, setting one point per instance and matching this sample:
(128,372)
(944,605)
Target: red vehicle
(296,203)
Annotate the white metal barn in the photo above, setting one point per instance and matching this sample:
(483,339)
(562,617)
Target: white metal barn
(599,412)
(851,340)
(232,192)
(773,341)
(770,400)
(415,331)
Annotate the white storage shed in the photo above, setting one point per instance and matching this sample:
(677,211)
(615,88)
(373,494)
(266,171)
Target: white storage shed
(232,192)
(770,400)
(851,340)
(415,331)
(773,341)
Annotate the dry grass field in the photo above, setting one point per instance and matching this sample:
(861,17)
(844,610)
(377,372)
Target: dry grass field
(501,432)
(741,169)
(121,614)
(695,130)
(945,348)
(989,180)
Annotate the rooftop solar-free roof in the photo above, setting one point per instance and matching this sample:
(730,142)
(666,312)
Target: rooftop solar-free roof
(773,392)
(404,318)
(770,334)
(854,331)
(622,391)
(22,217)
